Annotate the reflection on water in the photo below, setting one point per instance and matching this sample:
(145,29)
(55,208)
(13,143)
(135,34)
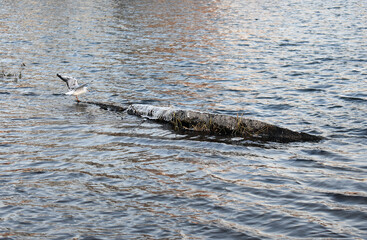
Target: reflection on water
(71,170)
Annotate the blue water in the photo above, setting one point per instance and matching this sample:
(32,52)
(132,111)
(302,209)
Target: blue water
(76,171)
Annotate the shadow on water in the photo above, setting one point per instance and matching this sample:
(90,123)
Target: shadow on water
(78,107)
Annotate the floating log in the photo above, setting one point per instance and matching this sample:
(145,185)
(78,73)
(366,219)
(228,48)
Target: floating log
(213,124)
(110,107)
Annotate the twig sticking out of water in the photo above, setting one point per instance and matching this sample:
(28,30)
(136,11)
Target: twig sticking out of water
(9,74)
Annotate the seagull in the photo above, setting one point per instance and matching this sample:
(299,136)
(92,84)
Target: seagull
(73,86)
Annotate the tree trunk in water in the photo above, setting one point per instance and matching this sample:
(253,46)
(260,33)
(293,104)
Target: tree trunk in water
(213,124)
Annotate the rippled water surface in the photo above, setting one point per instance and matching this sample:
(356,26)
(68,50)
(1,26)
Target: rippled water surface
(76,171)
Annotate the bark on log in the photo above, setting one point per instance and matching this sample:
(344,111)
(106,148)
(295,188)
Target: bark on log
(213,124)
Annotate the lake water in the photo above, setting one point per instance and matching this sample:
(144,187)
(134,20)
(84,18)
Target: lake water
(76,171)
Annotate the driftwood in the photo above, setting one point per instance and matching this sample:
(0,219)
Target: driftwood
(213,124)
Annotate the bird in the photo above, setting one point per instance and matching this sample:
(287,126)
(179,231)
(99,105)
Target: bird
(73,86)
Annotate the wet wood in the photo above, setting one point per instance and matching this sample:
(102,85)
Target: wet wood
(213,124)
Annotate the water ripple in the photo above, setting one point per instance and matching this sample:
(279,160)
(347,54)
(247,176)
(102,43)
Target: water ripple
(75,171)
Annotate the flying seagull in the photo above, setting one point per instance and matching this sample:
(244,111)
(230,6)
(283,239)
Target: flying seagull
(73,86)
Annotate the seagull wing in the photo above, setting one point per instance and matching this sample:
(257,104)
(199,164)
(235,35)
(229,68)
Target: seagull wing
(81,86)
(71,82)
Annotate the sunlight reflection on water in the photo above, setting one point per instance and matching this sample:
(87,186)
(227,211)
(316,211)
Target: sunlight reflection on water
(76,171)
